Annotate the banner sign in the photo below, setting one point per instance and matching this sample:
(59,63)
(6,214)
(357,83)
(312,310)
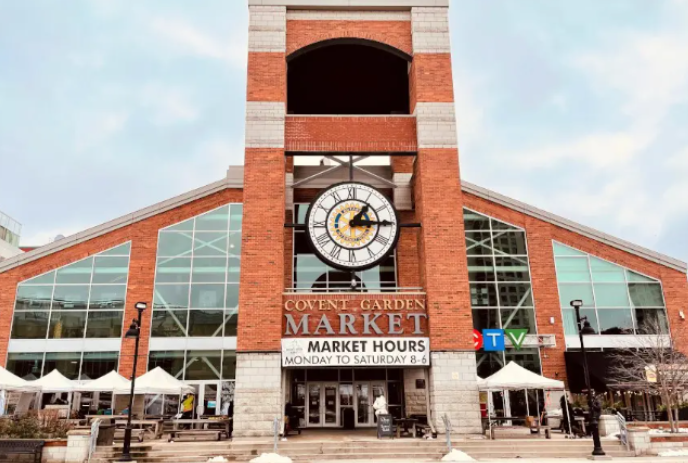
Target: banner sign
(493,340)
(358,352)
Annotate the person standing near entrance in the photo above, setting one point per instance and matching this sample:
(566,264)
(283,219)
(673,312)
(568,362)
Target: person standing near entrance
(187,406)
(380,405)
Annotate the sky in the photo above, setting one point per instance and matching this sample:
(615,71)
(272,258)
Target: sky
(578,107)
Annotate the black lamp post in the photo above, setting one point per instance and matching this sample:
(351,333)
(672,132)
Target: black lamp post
(134,332)
(585,328)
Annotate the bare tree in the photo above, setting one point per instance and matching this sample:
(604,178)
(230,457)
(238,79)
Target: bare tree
(656,365)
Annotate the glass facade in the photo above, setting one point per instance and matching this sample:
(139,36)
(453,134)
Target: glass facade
(616,300)
(84,299)
(195,365)
(501,292)
(197,276)
(73,365)
(312,275)
(10,230)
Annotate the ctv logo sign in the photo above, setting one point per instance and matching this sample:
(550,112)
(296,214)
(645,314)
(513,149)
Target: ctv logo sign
(495,341)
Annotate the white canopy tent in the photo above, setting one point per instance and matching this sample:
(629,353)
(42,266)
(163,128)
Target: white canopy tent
(157,381)
(513,377)
(107,383)
(55,382)
(9,382)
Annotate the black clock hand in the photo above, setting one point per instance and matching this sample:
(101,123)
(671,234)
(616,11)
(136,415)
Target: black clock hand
(363,223)
(357,218)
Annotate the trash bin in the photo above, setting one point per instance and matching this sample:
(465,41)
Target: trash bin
(106,434)
(349,418)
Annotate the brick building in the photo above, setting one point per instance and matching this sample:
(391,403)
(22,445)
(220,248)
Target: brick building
(240,303)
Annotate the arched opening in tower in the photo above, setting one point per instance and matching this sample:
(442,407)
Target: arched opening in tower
(348,76)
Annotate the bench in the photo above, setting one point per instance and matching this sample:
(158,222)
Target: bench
(22,447)
(135,434)
(217,433)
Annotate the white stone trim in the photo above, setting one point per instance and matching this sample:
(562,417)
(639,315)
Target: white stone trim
(324,15)
(265,124)
(577,228)
(403,191)
(267,29)
(193,343)
(64,345)
(436,125)
(352,4)
(430,30)
(611,341)
(120,222)
(258,393)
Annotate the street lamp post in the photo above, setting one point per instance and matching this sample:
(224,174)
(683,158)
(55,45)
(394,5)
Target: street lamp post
(134,332)
(585,328)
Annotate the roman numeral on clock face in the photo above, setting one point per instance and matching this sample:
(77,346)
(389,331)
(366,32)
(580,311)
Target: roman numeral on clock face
(319,224)
(381,208)
(335,252)
(351,194)
(382,240)
(352,256)
(335,195)
(323,239)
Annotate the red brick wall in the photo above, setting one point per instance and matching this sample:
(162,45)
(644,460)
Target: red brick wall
(408,260)
(431,79)
(301,33)
(388,304)
(540,235)
(442,249)
(144,238)
(267,77)
(323,133)
(262,253)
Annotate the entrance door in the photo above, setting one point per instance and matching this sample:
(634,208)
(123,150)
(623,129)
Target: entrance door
(207,400)
(323,405)
(366,393)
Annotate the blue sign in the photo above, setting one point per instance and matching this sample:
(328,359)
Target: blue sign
(493,340)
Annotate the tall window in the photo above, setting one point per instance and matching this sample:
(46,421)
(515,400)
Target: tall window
(195,365)
(197,275)
(81,300)
(311,274)
(501,292)
(616,300)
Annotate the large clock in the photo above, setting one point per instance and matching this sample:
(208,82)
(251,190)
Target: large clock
(352,226)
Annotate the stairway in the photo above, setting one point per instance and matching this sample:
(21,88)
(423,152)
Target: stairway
(307,451)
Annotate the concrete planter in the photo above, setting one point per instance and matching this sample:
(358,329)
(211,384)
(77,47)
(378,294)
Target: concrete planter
(609,425)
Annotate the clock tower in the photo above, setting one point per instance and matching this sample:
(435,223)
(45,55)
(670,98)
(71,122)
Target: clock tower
(331,86)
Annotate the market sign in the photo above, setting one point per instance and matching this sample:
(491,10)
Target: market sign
(359,352)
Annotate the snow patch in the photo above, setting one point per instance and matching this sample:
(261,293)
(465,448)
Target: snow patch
(457,455)
(271,458)
(674,453)
(217,459)
(668,431)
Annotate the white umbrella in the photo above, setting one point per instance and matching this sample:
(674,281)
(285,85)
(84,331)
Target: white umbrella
(12,382)
(55,382)
(107,383)
(157,381)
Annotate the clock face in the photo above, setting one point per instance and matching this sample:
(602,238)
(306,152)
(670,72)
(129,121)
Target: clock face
(352,226)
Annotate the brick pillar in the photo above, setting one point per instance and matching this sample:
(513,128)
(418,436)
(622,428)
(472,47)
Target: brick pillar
(439,206)
(258,384)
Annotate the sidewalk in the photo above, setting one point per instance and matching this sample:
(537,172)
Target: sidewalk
(526,460)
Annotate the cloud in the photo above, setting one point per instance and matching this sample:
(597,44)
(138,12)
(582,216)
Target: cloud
(168,104)
(191,40)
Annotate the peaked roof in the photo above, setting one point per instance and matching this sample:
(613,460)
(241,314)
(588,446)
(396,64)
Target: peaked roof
(157,381)
(55,382)
(234,179)
(11,382)
(514,377)
(106,383)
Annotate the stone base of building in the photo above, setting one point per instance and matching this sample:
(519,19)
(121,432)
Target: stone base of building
(454,392)
(258,394)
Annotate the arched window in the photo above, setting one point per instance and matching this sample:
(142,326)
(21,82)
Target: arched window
(348,76)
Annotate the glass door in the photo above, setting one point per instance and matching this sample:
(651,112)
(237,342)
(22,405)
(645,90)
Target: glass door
(314,415)
(363,405)
(206,398)
(330,405)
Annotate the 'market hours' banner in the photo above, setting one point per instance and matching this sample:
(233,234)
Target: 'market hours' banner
(355,352)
